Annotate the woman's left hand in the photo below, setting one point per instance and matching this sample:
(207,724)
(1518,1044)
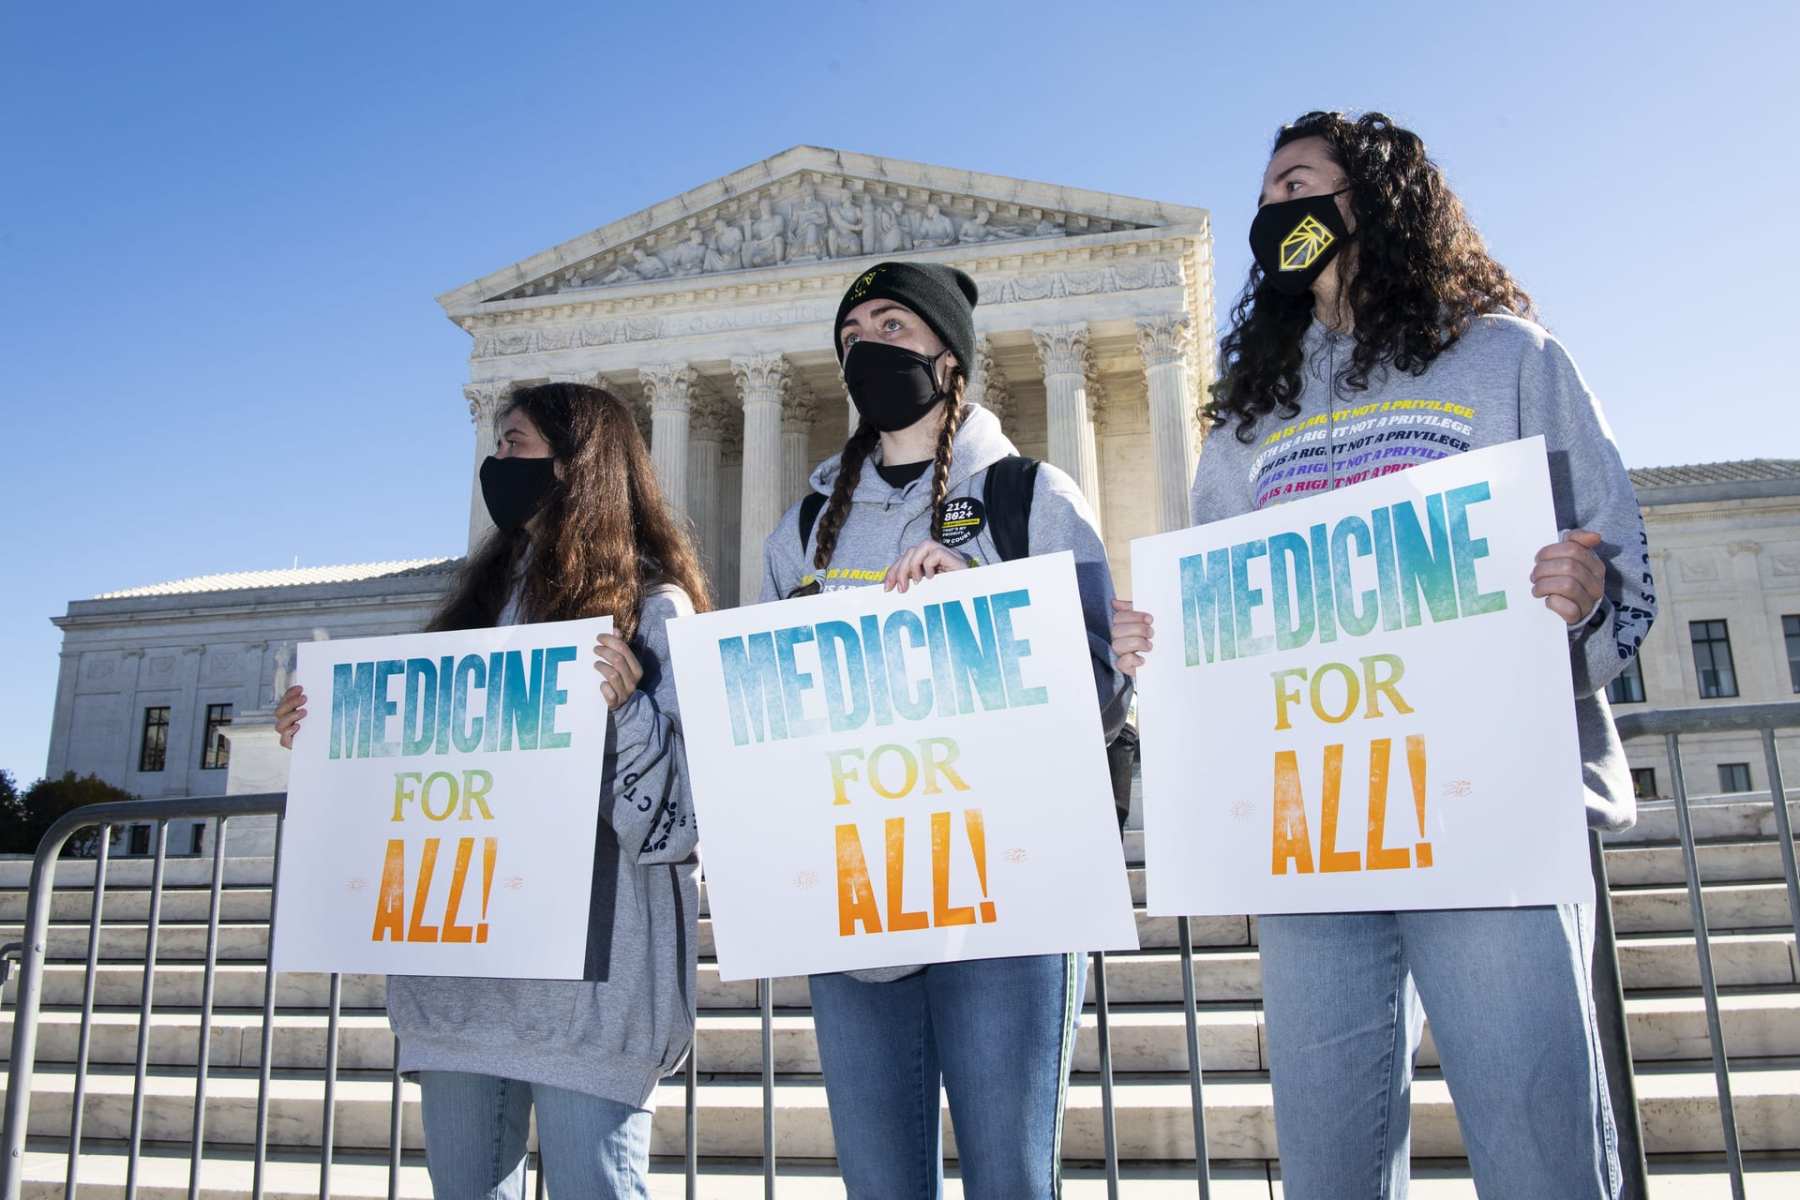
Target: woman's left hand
(619,669)
(1570,576)
(923,561)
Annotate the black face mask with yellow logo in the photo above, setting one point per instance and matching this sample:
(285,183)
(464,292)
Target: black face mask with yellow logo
(1295,240)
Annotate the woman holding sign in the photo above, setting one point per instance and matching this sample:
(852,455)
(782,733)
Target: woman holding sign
(1376,333)
(928,483)
(581,531)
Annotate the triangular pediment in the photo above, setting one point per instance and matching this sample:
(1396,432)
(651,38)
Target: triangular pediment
(810,205)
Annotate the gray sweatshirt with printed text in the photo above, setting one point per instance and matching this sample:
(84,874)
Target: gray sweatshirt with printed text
(617,1036)
(1503,380)
(885,521)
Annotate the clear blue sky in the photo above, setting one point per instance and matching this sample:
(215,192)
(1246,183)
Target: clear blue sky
(222,226)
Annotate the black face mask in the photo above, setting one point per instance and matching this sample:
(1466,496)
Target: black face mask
(1295,240)
(514,488)
(892,388)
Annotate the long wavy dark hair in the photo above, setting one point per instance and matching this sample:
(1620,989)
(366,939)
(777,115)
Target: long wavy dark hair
(1417,274)
(604,536)
(856,452)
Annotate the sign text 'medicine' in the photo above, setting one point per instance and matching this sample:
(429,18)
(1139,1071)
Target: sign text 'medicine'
(514,700)
(973,650)
(1421,568)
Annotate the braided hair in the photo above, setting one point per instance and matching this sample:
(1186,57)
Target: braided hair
(856,452)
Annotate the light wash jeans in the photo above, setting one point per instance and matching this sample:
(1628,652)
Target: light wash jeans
(1512,1014)
(475,1130)
(997,1032)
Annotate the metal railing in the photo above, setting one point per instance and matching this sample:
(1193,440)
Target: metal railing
(1671,724)
(33,954)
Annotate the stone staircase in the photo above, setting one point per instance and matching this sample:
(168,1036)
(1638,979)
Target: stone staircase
(1753,949)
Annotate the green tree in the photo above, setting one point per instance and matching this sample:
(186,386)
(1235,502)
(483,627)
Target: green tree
(25,818)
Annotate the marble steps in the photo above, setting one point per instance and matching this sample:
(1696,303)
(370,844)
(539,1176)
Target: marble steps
(1221,974)
(1145,1037)
(1154,1121)
(1627,866)
(163,1175)
(1714,820)
(1730,906)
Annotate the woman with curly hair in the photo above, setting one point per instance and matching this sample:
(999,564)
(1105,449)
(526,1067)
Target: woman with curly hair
(580,531)
(1377,333)
(904,501)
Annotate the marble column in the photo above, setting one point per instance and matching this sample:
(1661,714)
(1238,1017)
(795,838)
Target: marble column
(1166,345)
(987,385)
(668,386)
(797,416)
(763,383)
(484,400)
(707,417)
(1063,352)
(731,496)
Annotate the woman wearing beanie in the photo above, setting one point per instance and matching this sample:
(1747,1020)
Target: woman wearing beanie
(996,1034)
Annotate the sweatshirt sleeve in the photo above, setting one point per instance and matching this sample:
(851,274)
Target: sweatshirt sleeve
(1209,496)
(1592,491)
(651,811)
(1061,520)
(782,558)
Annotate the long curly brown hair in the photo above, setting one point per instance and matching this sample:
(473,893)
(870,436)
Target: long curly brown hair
(856,452)
(1418,274)
(604,538)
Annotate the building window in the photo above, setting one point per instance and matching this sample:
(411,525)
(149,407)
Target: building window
(140,839)
(196,839)
(216,752)
(1790,629)
(154,750)
(1628,686)
(1734,777)
(1643,782)
(1712,660)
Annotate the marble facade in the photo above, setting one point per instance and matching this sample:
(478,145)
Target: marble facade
(710,312)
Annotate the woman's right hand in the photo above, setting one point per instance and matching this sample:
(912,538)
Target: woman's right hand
(288,714)
(1130,636)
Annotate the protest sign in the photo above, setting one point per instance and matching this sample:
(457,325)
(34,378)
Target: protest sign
(442,804)
(885,779)
(1354,702)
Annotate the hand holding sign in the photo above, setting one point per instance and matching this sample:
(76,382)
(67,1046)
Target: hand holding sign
(1385,633)
(938,756)
(444,761)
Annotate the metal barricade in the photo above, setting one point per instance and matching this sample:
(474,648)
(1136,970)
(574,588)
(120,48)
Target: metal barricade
(1671,725)
(33,952)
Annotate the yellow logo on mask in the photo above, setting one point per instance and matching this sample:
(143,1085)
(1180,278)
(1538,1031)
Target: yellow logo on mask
(1301,248)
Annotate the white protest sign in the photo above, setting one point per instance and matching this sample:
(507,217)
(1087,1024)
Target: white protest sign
(888,779)
(1354,702)
(442,804)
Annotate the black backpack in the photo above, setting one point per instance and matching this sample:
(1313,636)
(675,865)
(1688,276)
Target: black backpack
(1006,496)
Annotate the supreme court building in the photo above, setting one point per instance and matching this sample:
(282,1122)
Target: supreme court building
(709,312)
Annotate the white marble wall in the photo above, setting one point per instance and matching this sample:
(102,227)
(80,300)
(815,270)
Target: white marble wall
(1736,560)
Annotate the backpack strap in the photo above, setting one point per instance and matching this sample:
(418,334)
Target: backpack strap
(1006,495)
(809,516)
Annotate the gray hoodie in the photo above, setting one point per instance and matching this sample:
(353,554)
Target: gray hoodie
(1503,380)
(886,521)
(618,1035)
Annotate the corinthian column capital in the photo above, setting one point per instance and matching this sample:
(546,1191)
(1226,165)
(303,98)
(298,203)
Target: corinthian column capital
(1063,349)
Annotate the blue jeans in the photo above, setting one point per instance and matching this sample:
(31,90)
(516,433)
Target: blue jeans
(996,1033)
(1512,1014)
(475,1129)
